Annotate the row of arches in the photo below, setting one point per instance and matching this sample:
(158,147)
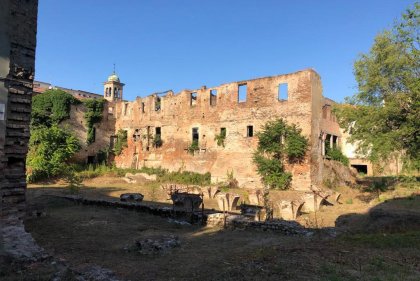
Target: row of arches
(108,92)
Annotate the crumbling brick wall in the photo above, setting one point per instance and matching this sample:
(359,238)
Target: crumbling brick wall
(18,25)
(176,116)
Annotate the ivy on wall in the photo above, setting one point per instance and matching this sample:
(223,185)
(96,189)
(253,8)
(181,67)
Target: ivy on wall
(93,115)
(51,107)
(121,142)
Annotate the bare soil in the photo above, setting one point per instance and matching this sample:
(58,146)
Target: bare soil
(84,236)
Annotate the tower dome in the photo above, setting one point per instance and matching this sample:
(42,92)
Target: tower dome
(113,78)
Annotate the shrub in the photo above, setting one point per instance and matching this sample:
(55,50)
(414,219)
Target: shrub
(337,155)
(193,147)
(49,152)
(276,142)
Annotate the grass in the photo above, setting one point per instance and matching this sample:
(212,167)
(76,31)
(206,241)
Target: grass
(89,235)
(163,175)
(409,239)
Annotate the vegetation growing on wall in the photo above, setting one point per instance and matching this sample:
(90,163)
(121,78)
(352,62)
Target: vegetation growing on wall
(93,115)
(51,107)
(193,147)
(49,150)
(220,138)
(50,147)
(278,142)
(157,141)
(121,142)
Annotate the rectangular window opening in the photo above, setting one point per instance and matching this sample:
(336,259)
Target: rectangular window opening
(125,108)
(142,107)
(223,132)
(335,142)
(250,131)
(242,89)
(283,92)
(195,135)
(157,141)
(157,104)
(213,97)
(193,99)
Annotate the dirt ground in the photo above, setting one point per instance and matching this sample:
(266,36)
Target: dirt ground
(84,236)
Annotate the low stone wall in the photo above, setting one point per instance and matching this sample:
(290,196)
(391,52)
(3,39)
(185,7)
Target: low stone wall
(239,221)
(208,219)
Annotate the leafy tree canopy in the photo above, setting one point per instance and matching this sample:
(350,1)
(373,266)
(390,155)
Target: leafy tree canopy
(49,151)
(278,142)
(384,116)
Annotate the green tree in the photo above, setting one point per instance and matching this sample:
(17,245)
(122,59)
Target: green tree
(384,116)
(49,151)
(278,142)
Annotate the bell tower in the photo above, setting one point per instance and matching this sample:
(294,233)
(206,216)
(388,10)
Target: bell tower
(113,88)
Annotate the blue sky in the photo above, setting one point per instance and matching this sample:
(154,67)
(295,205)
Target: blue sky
(159,45)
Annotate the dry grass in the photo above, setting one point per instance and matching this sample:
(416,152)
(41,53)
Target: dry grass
(88,235)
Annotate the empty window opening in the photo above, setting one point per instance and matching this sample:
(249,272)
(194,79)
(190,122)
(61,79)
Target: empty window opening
(242,89)
(250,131)
(157,141)
(327,144)
(112,140)
(283,92)
(195,135)
(148,137)
(193,99)
(137,135)
(223,132)
(213,97)
(335,142)
(90,160)
(158,131)
(142,107)
(157,104)
(361,169)
(125,108)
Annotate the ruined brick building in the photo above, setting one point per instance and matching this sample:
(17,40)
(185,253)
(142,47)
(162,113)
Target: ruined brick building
(162,127)
(178,131)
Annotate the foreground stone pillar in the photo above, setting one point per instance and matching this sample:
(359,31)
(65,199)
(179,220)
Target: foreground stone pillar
(18,24)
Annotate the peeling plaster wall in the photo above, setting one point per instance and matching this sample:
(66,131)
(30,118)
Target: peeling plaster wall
(177,117)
